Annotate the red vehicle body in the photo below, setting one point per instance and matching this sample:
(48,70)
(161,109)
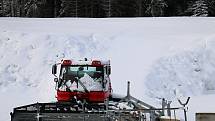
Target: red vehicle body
(83,80)
(93,96)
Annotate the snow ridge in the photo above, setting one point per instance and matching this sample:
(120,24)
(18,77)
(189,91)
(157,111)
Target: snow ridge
(22,54)
(26,61)
(188,73)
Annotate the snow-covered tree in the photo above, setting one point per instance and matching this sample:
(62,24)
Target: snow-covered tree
(143,7)
(199,8)
(1,7)
(157,7)
(70,8)
(5,8)
(32,8)
(107,7)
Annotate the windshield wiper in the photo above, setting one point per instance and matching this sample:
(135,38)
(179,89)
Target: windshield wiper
(75,79)
(85,89)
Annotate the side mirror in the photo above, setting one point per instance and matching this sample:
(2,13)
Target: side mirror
(55,79)
(108,70)
(54,69)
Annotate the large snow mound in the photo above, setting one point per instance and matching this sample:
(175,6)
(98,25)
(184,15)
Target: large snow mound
(26,61)
(187,73)
(162,57)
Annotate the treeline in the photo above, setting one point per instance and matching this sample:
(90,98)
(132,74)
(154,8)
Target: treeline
(106,8)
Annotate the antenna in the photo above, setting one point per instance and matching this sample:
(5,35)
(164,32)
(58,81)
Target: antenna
(128,89)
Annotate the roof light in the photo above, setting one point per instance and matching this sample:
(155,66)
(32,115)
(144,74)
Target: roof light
(96,63)
(67,62)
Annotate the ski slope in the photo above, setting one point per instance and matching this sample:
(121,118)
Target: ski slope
(162,57)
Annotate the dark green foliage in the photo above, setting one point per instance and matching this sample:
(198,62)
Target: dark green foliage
(157,7)
(176,7)
(81,8)
(124,8)
(5,8)
(200,8)
(106,8)
(211,7)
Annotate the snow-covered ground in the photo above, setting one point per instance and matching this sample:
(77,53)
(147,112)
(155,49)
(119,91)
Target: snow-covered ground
(162,57)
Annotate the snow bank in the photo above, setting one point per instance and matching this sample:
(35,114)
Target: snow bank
(26,61)
(187,73)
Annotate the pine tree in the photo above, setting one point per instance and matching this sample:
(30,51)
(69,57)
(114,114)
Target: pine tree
(98,9)
(124,8)
(70,8)
(85,8)
(140,2)
(16,7)
(142,7)
(146,8)
(107,7)
(20,8)
(1,8)
(211,7)
(6,8)
(32,8)
(157,7)
(198,8)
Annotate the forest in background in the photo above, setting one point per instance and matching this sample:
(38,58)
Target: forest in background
(106,8)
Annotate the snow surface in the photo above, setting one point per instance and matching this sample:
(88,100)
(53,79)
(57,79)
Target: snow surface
(162,57)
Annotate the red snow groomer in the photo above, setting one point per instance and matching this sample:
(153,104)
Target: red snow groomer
(86,80)
(84,93)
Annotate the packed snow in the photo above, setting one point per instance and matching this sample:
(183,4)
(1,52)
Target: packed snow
(162,57)
(185,69)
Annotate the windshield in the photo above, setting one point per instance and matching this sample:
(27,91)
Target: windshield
(79,71)
(81,78)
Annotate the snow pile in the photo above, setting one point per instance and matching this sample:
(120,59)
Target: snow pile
(91,84)
(26,61)
(125,105)
(184,74)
